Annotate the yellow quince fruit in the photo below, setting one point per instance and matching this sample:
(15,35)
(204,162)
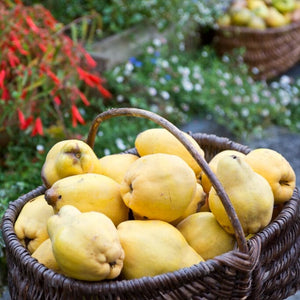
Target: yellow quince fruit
(276,170)
(159,186)
(205,182)
(116,165)
(44,255)
(86,246)
(250,195)
(89,192)
(31,224)
(154,247)
(204,234)
(160,140)
(66,158)
(198,201)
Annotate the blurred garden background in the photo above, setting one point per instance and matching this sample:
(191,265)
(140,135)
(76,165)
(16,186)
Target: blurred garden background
(54,81)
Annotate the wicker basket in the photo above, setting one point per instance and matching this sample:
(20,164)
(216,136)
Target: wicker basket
(272,51)
(265,267)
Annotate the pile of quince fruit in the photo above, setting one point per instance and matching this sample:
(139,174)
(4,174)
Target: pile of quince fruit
(261,14)
(127,216)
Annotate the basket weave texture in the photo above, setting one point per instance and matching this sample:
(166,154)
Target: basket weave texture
(268,269)
(272,50)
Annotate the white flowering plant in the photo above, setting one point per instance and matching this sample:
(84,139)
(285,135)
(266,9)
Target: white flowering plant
(180,84)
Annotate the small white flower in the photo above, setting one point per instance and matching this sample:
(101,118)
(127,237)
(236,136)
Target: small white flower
(106,151)
(288,113)
(120,79)
(238,80)
(285,80)
(185,71)
(255,70)
(169,109)
(129,67)
(255,98)
(165,95)
(165,64)
(185,107)
(245,112)
(182,46)
(100,133)
(162,80)
(222,83)
(225,92)
(154,108)
(265,112)
(152,91)
(227,76)
(40,148)
(120,144)
(157,42)
(120,98)
(174,59)
(187,85)
(275,85)
(225,58)
(204,54)
(198,87)
(237,99)
(150,50)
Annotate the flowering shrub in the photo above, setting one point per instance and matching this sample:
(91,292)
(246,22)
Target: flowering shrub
(179,84)
(42,71)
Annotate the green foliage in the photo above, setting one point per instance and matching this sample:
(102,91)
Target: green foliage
(179,84)
(118,15)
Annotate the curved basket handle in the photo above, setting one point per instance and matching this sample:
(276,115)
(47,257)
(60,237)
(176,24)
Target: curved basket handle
(140,113)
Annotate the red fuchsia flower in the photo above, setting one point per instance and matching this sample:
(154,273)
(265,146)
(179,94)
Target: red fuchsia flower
(38,127)
(76,116)
(41,68)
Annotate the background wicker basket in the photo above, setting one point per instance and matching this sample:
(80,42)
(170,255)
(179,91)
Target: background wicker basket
(272,51)
(265,267)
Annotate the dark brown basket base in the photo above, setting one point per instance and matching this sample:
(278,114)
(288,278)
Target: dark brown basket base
(272,51)
(270,270)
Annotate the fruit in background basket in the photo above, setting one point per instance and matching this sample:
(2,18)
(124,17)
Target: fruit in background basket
(259,8)
(199,200)
(295,15)
(160,140)
(257,23)
(205,182)
(66,158)
(45,256)
(276,170)
(275,18)
(204,234)
(250,195)
(284,6)
(116,165)
(31,223)
(89,192)
(241,17)
(224,20)
(159,186)
(86,246)
(154,247)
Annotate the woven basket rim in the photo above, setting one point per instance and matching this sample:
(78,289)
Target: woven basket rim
(259,32)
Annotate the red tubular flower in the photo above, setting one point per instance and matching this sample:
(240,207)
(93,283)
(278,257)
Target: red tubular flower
(23,122)
(38,127)
(105,93)
(88,78)
(32,25)
(90,61)
(18,45)
(5,94)
(76,116)
(12,58)
(57,100)
(2,77)
(83,98)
